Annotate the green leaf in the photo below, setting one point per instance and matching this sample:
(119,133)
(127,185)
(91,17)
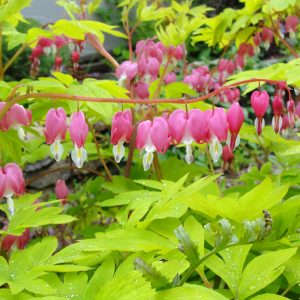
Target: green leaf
(292,270)
(269,297)
(230,267)
(126,287)
(178,89)
(4,272)
(101,276)
(73,286)
(66,79)
(190,292)
(30,217)
(127,240)
(12,7)
(262,270)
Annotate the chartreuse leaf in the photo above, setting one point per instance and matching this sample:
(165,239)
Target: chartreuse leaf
(269,297)
(248,207)
(262,270)
(12,7)
(6,294)
(151,12)
(292,270)
(230,267)
(93,5)
(31,217)
(178,89)
(190,292)
(126,287)
(24,267)
(174,197)
(73,286)
(127,240)
(4,271)
(196,232)
(102,275)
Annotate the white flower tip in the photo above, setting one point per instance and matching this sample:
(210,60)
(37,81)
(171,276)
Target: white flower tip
(21,133)
(79,155)
(57,150)
(189,158)
(10,204)
(215,150)
(147,160)
(118,151)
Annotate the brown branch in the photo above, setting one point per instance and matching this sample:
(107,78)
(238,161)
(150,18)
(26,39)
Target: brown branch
(99,47)
(67,97)
(34,178)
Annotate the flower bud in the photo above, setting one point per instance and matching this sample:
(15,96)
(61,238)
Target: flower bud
(61,191)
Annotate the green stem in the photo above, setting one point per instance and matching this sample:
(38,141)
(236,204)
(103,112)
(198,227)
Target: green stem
(14,57)
(192,269)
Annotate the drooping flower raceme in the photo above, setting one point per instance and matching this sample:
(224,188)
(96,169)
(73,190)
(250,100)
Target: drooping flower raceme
(259,103)
(121,131)
(152,136)
(218,126)
(11,183)
(235,119)
(78,131)
(188,127)
(55,131)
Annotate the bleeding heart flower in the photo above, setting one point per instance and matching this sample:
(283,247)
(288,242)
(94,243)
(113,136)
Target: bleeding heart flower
(58,63)
(291,25)
(16,117)
(121,131)
(78,131)
(267,37)
(55,131)
(46,44)
(260,103)
(20,241)
(257,39)
(152,136)
(75,56)
(11,183)
(142,90)
(226,66)
(228,157)
(61,191)
(291,112)
(235,119)
(218,125)
(170,77)
(126,71)
(277,106)
(188,127)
